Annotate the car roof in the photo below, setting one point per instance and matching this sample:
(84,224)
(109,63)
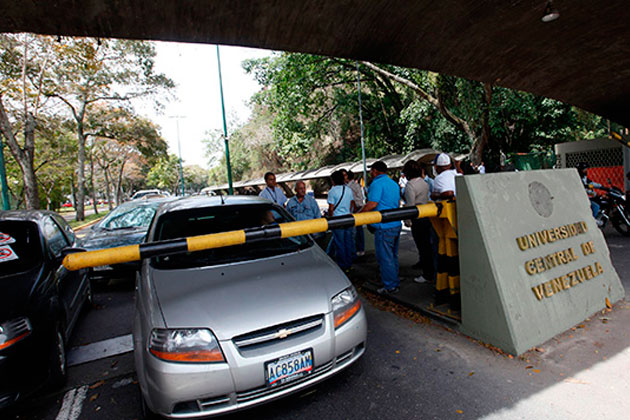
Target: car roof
(195,202)
(25,215)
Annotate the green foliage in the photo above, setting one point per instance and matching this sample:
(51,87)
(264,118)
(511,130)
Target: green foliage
(253,150)
(83,75)
(165,174)
(313,105)
(195,178)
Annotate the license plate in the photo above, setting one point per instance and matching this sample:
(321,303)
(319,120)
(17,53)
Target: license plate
(289,368)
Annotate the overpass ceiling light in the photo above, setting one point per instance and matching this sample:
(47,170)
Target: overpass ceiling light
(551,13)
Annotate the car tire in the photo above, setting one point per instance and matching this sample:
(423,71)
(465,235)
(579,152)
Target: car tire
(58,361)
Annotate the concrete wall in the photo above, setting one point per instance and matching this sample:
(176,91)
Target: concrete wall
(518,291)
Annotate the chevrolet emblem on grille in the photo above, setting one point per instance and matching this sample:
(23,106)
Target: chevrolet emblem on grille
(283,333)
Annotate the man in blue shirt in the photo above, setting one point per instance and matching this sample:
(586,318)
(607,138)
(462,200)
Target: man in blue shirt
(272,191)
(384,194)
(302,206)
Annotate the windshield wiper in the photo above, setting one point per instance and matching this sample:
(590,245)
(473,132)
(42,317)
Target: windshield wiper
(121,228)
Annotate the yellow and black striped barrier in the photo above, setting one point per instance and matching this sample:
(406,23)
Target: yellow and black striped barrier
(131,253)
(447,281)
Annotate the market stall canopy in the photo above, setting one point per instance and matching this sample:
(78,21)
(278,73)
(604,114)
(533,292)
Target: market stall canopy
(582,58)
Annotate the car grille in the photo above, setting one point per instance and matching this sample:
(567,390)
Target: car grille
(279,332)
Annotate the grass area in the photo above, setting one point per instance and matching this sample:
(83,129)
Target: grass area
(88,219)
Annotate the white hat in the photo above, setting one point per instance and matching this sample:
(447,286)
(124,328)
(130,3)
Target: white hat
(442,160)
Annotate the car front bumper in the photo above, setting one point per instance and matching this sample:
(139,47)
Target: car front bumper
(21,370)
(179,390)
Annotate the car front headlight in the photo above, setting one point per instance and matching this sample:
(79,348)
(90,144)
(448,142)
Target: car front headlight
(13,331)
(345,305)
(193,345)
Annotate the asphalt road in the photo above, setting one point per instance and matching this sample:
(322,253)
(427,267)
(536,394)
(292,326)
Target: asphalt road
(413,368)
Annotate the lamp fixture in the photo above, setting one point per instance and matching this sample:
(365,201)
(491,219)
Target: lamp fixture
(551,13)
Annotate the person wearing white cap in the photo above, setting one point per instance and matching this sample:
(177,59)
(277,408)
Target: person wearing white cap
(444,183)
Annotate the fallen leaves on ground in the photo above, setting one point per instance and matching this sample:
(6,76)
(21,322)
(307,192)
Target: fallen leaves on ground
(96,385)
(459,411)
(396,308)
(471,373)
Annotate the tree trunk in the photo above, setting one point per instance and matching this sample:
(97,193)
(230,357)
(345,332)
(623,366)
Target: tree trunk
(108,193)
(80,208)
(73,191)
(119,183)
(92,188)
(479,145)
(24,157)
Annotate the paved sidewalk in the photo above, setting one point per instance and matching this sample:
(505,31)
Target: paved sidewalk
(413,295)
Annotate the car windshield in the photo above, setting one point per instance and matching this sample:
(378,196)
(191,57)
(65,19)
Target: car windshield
(20,246)
(202,221)
(130,216)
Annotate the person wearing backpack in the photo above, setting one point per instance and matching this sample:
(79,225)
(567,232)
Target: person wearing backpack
(341,202)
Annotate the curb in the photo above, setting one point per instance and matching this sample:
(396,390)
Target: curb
(88,224)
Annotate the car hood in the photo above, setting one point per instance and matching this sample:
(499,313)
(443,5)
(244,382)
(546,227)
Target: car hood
(16,292)
(244,297)
(101,238)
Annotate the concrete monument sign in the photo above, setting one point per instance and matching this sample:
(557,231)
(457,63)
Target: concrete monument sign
(533,262)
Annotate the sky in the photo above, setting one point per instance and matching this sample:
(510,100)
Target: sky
(197,102)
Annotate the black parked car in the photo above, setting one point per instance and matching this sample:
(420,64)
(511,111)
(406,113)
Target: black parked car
(127,224)
(40,301)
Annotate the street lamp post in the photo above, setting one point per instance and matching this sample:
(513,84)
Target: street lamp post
(3,179)
(225,133)
(361,120)
(179,147)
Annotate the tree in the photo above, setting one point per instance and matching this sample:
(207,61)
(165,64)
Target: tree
(165,174)
(195,178)
(252,148)
(314,110)
(314,107)
(24,67)
(90,71)
(119,136)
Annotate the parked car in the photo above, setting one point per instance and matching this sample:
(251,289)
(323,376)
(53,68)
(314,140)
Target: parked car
(40,301)
(127,224)
(143,193)
(225,329)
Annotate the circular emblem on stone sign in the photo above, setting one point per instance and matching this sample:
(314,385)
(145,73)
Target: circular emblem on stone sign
(541,199)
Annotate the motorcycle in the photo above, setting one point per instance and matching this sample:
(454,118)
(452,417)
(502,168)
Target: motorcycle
(613,208)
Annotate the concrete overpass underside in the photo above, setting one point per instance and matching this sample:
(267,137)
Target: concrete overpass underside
(582,58)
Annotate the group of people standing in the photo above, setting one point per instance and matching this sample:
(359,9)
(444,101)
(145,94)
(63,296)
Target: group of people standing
(346,197)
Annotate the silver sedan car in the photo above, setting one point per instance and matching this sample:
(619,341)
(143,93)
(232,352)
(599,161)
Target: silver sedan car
(229,328)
